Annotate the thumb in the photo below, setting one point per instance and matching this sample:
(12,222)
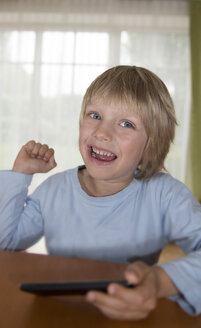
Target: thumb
(136,272)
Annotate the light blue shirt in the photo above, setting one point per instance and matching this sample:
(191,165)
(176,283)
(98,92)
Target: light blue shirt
(135,223)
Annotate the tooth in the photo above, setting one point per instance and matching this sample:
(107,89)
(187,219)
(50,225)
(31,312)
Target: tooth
(101,152)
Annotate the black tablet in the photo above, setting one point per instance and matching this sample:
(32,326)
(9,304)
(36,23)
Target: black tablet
(69,288)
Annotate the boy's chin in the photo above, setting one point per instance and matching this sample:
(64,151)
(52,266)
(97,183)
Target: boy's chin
(100,173)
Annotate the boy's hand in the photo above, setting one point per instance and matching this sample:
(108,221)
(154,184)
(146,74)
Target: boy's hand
(134,303)
(34,158)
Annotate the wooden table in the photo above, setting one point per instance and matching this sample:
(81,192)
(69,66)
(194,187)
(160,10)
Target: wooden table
(23,310)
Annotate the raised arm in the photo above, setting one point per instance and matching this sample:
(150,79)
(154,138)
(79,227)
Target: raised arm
(21,221)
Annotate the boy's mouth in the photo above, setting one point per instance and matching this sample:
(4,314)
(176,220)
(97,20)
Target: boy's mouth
(102,155)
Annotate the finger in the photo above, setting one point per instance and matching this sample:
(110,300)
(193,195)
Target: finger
(35,150)
(125,315)
(136,272)
(42,150)
(145,290)
(138,267)
(115,307)
(118,297)
(101,299)
(113,313)
(29,146)
(52,163)
(130,296)
(117,314)
(137,299)
(48,154)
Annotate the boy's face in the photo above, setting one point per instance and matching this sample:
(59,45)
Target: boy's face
(112,141)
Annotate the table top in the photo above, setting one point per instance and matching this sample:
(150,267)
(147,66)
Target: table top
(24,310)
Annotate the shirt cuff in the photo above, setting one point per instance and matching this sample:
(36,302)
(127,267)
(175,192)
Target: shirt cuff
(189,297)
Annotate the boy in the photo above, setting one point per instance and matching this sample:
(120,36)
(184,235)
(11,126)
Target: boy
(118,206)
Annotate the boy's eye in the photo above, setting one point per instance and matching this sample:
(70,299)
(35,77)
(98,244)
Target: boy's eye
(126,124)
(95,116)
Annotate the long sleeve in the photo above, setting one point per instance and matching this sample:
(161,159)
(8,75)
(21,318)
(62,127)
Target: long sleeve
(21,224)
(183,221)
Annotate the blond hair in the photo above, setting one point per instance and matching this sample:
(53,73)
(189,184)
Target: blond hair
(144,93)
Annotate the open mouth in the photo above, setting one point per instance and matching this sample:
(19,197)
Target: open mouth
(102,155)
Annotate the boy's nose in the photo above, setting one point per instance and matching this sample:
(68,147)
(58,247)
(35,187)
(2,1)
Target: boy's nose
(103,132)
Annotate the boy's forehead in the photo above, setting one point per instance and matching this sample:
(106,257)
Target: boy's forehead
(113,104)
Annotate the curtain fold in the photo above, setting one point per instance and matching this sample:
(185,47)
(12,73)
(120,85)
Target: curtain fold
(194,154)
(61,14)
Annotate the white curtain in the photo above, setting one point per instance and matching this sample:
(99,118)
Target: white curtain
(51,50)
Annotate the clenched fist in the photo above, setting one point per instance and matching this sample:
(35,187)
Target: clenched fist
(34,158)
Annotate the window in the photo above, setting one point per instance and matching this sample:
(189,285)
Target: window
(44,75)
(167,55)
(51,50)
